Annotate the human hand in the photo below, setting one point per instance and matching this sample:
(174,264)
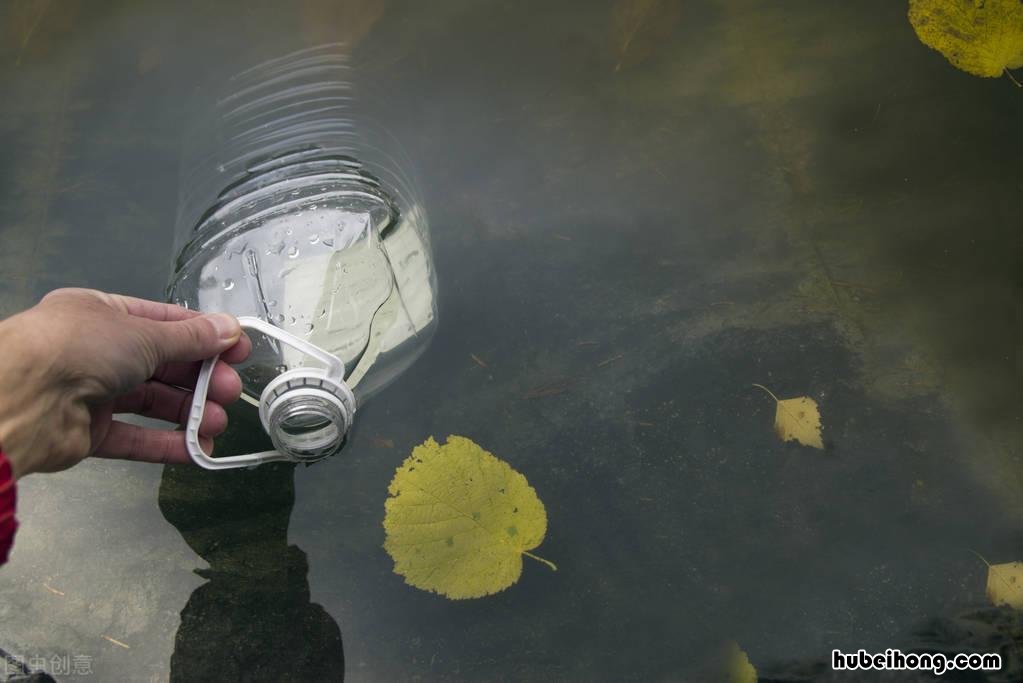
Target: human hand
(80,355)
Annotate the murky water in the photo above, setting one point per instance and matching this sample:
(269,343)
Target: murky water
(630,226)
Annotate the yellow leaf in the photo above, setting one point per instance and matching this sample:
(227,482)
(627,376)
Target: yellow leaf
(1005,584)
(738,667)
(797,419)
(459,520)
(981,37)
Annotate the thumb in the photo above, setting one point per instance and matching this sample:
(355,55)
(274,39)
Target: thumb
(193,339)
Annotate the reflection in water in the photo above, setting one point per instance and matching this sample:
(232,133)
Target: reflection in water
(253,620)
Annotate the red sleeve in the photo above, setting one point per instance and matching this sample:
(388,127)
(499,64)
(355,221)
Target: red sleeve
(8,498)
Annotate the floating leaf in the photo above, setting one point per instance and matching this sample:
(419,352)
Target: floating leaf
(459,520)
(797,419)
(639,26)
(738,668)
(1004,583)
(981,37)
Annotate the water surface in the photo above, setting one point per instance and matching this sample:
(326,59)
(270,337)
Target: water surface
(635,225)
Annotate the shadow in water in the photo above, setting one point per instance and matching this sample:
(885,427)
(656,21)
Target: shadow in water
(253,619)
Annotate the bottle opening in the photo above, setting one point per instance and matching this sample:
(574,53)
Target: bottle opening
(304,423)
(307,426)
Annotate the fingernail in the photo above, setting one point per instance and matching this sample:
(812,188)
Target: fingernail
(227,326)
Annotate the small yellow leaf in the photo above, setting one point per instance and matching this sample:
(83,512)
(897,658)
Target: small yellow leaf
(1005,584)
(981,37)
(459,520)
(797,419)
(738,667)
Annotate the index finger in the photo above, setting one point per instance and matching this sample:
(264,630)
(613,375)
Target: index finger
(153,310)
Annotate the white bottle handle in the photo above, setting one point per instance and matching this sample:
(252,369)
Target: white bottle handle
(335,369)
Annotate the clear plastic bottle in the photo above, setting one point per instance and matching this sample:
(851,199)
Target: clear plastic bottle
(295,213)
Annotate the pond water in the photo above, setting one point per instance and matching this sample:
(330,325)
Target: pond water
(638,210)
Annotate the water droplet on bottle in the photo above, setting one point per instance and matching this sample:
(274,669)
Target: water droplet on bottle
(328,241)
(279,318)
(271,303)
(292,251)
(288,231)
(314,238)
(292,321)
(308,328)
(282,368)
(275,248)
(323,313)
(228,285)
